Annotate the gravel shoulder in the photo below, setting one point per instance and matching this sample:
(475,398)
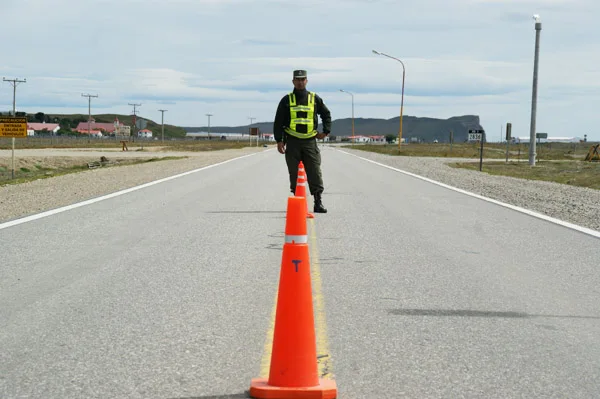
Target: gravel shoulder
(25,199)
(577,205)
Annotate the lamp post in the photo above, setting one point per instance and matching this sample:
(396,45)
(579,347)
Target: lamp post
(347,92)
(209,115)
(538,28)
(402,101)
(162,121)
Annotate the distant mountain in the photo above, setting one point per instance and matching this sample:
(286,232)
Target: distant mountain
(424,129)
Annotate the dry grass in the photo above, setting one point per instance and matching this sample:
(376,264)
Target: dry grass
(34,168)
(78,142)
(575,173)
(548,151)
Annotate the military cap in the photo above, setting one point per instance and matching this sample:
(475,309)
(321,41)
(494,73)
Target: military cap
(300,73)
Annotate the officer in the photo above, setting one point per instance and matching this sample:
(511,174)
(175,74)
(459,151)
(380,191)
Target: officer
(295,127)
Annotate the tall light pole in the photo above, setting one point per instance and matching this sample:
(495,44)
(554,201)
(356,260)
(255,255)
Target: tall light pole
(209,115)
(89,96)
(347,92)
(250,131)
(162,121)
(538,28)
(15,83)
(402,101)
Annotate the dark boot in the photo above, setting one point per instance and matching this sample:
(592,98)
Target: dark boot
(319,208)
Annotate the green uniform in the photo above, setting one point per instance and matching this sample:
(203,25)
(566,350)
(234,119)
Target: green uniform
(296,124)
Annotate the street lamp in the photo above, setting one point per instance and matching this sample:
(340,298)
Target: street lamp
(344,91)
(538,28)
(402,101)
(209,115)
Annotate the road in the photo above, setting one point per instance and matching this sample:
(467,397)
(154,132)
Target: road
(168,291)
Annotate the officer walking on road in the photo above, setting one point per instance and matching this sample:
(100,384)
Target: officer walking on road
(295,130)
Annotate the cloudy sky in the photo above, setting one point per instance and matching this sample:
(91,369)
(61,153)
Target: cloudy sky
(234,59)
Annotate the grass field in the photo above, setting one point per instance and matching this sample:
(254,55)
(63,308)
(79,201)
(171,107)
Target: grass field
(548,151)
(557,162)
(83,142)
(575,173)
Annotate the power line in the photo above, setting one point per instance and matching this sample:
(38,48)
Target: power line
(89,96)
(163,123)
(134,116)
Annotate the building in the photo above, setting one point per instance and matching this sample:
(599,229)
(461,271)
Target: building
(42,128)
(116,128)
(145,133)
(524,140)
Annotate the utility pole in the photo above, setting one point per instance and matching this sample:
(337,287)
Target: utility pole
(163,123)
(538,28)
(89,96)
(249,130)
(209,115)
(134,116)
(15,83)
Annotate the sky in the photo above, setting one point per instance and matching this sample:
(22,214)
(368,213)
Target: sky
(234,59)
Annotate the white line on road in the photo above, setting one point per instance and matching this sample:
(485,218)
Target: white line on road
(581,229)
(112,195)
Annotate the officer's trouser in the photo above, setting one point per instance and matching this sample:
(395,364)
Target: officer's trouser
(307,151)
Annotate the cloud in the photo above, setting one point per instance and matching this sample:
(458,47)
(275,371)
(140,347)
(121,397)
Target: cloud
(234,58)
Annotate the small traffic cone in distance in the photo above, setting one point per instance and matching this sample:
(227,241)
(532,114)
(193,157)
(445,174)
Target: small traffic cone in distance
(301,183)
(294,368)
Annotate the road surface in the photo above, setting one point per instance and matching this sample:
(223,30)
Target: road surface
(422,291)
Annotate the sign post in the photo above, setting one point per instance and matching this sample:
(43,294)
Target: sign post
(254,131)
(477,135)
(508,138)
(539,136)
(13,127)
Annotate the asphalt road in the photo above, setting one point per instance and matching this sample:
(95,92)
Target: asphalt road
(167,291)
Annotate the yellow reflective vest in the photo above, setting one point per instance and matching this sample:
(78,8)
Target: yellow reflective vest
(307,119)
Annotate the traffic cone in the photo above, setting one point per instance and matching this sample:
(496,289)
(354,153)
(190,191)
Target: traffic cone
(301,183)
(294,370)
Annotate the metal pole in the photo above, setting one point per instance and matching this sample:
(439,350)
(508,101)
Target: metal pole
(89,96)
(162,121)
(353,114)
(209,115)
(532,154)
(134,119)
(250,130)
(481,153)
(402,100)
(401,107)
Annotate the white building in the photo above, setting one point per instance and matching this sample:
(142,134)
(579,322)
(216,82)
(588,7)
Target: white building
(41,128)
(518,140)
(145,133)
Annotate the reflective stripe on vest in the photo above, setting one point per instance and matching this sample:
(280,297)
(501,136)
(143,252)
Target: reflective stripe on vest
(309,120)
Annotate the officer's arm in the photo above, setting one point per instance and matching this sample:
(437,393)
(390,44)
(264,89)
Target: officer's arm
(324,113)
(281,120)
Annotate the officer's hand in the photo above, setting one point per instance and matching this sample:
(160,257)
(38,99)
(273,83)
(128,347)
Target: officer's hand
(281,147)
(321,136)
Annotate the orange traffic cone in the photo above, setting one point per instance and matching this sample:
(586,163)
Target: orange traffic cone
(294,370)
(301,188)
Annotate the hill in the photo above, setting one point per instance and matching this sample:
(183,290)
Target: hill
(424,129)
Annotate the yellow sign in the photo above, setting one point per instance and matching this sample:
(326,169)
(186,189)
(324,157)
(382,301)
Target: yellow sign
(13,127)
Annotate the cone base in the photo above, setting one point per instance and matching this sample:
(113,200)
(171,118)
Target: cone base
(260,389)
